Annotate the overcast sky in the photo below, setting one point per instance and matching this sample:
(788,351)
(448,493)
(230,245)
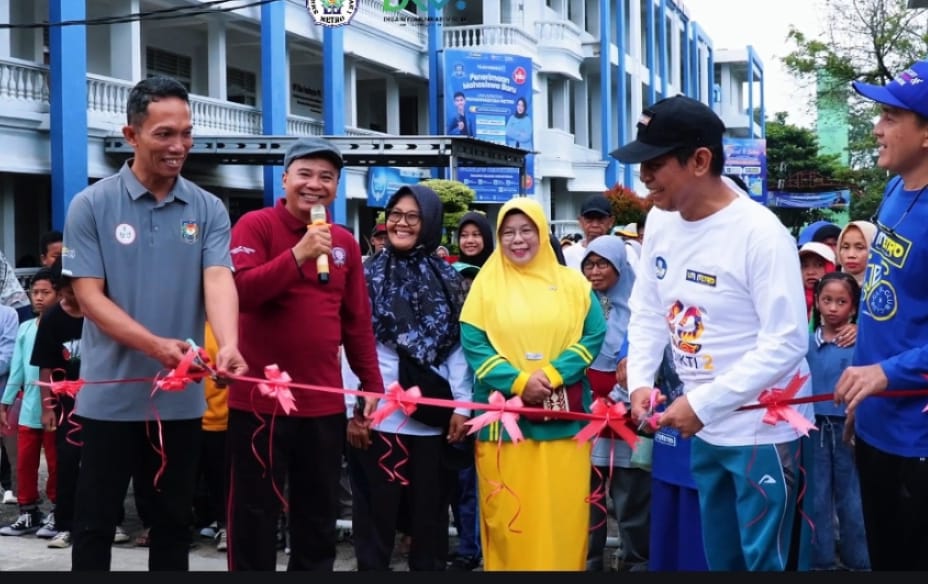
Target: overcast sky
(764,24)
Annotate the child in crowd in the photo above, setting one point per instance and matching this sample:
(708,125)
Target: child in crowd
(854,248)
(32,436)
(835,485)
(816,260)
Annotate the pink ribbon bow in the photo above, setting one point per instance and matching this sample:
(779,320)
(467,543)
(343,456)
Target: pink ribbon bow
(510,420)
(397,399)
(278,388)
(613,417)
(779,411)
(65,387)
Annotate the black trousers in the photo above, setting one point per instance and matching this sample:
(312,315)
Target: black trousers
(894,496)
(299,457)
(209,503)
(377,501)
(68,438)
(112,453)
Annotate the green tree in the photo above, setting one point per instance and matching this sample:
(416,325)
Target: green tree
(627,205)
(456,198)
(864,40)
(795,165)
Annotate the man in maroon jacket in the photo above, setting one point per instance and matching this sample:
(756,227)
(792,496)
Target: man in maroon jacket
(291,318)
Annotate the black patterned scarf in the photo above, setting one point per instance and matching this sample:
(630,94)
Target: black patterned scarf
(416,297)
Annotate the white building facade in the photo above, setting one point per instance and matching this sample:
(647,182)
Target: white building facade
(596,63)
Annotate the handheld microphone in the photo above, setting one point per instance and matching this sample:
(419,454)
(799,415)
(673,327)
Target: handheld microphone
(317,214)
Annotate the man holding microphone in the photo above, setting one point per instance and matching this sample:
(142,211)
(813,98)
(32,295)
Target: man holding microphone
(302,294)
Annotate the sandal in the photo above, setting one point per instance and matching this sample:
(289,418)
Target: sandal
(142,540)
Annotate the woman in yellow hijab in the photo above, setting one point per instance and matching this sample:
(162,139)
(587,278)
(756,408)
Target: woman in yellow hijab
(530,328)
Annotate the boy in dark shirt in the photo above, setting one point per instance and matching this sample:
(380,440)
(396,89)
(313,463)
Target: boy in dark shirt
(57,355)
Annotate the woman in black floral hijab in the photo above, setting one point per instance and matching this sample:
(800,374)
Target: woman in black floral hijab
(416,300)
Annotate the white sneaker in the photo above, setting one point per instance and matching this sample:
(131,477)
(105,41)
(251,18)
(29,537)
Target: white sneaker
(9,498)
(120,535)
(61,541)
(222,543)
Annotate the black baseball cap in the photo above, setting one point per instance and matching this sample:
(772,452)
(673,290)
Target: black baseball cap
(671,124)
(596,205)
(313,148)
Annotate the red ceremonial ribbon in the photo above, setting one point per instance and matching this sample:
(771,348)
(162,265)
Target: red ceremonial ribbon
(396,398)
(278,389)
(508,419)
(776,402)
(614,417)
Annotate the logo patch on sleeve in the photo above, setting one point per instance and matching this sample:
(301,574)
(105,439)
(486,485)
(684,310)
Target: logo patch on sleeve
(701,278)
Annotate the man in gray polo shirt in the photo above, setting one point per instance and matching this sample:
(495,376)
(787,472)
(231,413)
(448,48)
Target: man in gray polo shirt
(149,254)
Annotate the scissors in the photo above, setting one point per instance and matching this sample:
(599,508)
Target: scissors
(652,406)
(203,361)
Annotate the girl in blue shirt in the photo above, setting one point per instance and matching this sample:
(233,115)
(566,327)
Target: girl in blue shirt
(834,481)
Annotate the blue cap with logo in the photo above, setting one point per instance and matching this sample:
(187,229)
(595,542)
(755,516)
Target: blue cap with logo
(908,91)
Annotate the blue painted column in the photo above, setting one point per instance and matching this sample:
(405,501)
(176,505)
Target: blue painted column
(651,56)
(436,81)
(274,91)
(333,99)
(664,49)
(68,102)
(685,59)
(605,90)
(622,85)
(694,61)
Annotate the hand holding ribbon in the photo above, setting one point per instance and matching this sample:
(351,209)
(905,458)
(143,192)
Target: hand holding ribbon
(499,414)
(178,378)
(614,417)
(279,390)
(777,410)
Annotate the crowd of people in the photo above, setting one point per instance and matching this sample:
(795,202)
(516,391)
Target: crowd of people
(684,332)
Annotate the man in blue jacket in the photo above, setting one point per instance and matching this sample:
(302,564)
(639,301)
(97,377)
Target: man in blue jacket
(892,336)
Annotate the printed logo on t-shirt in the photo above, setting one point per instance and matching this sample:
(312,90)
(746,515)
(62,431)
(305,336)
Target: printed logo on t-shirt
(125,233)
(189,231)
(339,255)
(241,249)
(71,350)
(687,325)
(660,267)
(879,296)
(701,278)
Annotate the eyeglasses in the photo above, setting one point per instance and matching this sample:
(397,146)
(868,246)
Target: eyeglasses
(412,218)
(891,231)
(601,265)
(509,234)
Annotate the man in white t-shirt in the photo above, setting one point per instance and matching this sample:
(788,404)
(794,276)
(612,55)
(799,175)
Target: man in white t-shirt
(595,219)
(720,273)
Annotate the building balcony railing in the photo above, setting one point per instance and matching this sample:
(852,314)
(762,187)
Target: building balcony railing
(24,87)
(560,47)
(490,36)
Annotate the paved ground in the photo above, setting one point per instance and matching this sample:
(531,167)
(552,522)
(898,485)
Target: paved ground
(29,553)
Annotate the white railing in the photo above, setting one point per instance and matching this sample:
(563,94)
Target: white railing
(300,126)
(23,82)
(489,35)
(557,33)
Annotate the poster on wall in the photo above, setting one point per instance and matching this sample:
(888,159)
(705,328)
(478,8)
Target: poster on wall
(489,96)
(747,158)
(383,181)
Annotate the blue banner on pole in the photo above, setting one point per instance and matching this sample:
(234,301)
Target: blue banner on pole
(747,158)
(383,181)
(829,199)
(489,96)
